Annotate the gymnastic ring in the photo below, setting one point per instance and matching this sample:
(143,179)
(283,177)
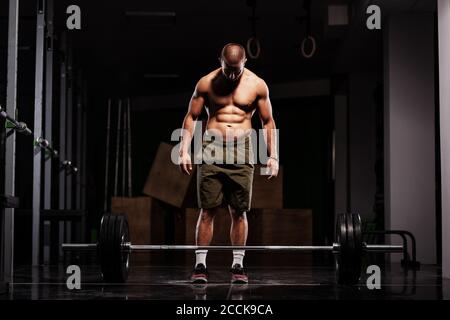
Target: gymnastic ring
(313,50)
(249,47)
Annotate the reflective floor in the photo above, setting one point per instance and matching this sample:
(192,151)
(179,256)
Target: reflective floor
(171,283)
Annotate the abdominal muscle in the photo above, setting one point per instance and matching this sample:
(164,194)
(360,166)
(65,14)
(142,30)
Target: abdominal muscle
(232,122)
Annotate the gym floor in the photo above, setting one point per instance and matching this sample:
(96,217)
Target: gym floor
(267,283)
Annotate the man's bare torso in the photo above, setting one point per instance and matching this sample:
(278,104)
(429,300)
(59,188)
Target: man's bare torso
(230,106)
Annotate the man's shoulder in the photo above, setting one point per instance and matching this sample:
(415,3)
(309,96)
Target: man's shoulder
(254,77)
(259,82)
(210,76)
(205,82)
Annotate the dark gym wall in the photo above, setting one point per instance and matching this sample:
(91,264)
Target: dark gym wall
(410,128)
(306,128)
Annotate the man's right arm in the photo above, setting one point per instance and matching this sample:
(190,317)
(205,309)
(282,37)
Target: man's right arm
(196,105)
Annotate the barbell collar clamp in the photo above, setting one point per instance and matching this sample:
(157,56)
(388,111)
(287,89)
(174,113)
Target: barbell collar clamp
(43,143)
(67,163)
(23,128)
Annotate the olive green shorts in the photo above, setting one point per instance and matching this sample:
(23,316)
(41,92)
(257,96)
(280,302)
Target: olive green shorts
(221,180)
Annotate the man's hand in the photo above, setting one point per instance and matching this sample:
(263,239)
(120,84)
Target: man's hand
(272,167)
(185,163)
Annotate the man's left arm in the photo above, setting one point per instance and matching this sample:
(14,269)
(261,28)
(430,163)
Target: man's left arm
(268,123)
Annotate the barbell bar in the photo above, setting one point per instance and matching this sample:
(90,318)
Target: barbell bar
(114,248)
(146,247)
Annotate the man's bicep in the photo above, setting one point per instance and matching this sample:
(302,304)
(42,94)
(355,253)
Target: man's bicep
(196,105)
(264,108)
(264,105)
(198,99)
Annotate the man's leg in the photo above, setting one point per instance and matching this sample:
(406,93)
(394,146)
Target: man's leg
(210,195)
(203,236)
(204,233)
(238,234)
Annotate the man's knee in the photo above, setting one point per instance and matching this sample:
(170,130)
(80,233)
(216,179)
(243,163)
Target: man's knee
(207,215)
(237,214)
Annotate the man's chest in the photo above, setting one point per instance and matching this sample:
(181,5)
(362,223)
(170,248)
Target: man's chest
(243,96)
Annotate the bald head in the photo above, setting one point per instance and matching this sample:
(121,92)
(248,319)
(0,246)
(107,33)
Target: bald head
(233,61)
(233,54)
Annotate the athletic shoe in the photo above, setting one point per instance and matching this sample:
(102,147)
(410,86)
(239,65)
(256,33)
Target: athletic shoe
(200,274)
(238,274)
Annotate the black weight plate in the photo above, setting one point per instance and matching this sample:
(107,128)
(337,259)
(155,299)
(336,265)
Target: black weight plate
(102,248)
(351,254)
(115,262)
(107,244)
(357,235)
(347,246)
(349,259)
(341,239)
(110,245)
(124,255)
(342,230)
(116,252)
(119,230)
(357,230)
(350,244)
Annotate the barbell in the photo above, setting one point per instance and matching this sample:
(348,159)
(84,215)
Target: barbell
(114,248)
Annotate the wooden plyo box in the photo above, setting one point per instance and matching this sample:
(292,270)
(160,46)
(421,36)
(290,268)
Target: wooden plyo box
(267,194)
(138,211)
(151,222)
(167,183)
(148,220)
(286,227)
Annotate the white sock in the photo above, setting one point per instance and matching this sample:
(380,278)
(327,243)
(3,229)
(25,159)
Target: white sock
(238,257)
(200,257)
